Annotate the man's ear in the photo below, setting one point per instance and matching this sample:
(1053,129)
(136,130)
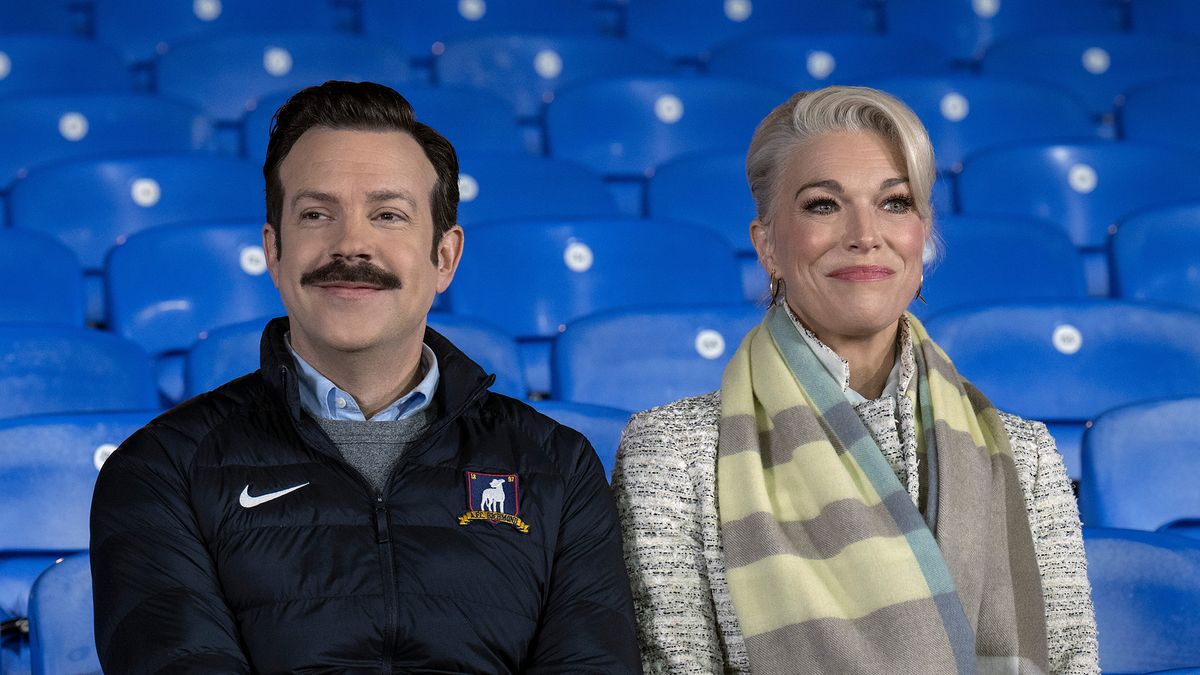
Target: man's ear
(449,254)
(270,245)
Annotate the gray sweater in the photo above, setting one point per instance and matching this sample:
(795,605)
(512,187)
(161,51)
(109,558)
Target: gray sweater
(665,484)
(374,447)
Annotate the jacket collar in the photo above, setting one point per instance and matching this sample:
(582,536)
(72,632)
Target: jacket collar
(461,382)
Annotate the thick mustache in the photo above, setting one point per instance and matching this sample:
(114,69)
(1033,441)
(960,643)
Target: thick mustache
(360,273)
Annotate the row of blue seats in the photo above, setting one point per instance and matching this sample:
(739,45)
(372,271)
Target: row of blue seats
(169,285)
(1089,355)
(1145,587)
(685,29)
(225,75)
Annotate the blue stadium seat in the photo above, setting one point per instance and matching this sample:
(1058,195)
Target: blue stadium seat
(965,114)
(39,129)
(532,277)
(802,62)
(423,27)
(1146,588)
(499,186)
(43,280)
(61,621)
(221,355)
(1161,114)
(689,29)
(967,28)
(1141,466)
(1172,17)
(527,69)
(640,358)
(1086,188)
(1067,362)
(601,425)
(142,32)
(168,286)
(49,64)
(474,121)
(486,345)
(1188,527)
(1154,256)
(48,466)
(726,207)
(46,16)
(59,369)
(990,260)
(110,199)
(650,120)
(1098,68)
(225,75)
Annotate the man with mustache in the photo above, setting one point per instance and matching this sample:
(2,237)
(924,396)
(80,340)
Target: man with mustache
(327,512)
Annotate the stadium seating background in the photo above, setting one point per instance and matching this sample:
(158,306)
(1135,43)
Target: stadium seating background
(601,144)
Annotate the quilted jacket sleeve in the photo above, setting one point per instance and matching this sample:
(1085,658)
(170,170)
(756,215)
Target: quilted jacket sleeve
(587,621)
(158,603)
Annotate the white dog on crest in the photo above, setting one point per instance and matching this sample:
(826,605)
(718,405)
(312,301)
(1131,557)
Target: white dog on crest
(493,497)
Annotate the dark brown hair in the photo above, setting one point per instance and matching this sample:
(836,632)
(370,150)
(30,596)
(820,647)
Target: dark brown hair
(359,106)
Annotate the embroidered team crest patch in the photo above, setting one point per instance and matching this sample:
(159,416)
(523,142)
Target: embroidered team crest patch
(494,497)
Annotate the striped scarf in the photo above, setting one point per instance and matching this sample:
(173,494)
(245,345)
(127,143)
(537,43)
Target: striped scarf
(831,567)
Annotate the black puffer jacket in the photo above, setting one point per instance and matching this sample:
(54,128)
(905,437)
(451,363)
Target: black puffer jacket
(195,571)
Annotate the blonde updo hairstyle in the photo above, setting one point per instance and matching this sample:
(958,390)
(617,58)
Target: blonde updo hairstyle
(810,114)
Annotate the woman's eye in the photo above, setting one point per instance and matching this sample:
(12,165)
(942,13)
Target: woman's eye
(820,205)
(898,204)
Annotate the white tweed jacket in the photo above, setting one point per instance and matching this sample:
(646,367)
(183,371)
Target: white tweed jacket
(665,485)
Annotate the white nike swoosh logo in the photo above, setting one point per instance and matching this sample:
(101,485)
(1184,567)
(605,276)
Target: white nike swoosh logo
(250,502)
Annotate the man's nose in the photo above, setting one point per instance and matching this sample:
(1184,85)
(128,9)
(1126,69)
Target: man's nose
(355,240)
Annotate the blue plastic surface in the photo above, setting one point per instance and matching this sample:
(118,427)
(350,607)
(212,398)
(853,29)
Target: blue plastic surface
(486,345)
(51,369)
(168,285)
(692,28)
(1146,588)
(143,32)
(1179,17)
(111,199)
(527,69)
(226,75)
(1087,188)
(474,121)
(650,120)
(601,425)
(967,28)
(43,279)
(805,62)
(636,359)
(61,621)
(46,16)
(965,114)
(1160,114)
(504,187)
(1071,361)
(708,189)
(1099,68)
(1154,256)
(1141,466)
(222,355)
(991,260)
(49,64)
(36,130)
(424,26)
(533,277)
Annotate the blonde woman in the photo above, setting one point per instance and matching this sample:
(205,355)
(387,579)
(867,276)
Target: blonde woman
(847,502)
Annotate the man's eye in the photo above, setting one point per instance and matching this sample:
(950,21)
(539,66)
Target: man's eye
(311,215)
(392,217)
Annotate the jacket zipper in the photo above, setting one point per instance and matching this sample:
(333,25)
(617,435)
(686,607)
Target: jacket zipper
(384,539)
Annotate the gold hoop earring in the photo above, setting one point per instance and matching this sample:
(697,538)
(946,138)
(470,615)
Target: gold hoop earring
(775,288)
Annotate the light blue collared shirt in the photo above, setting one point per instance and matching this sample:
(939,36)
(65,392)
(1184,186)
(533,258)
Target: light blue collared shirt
(321,398)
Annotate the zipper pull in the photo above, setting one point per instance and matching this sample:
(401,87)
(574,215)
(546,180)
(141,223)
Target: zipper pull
(381,522)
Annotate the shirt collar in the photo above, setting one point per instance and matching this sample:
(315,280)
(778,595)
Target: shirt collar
(898,380)
(321,398)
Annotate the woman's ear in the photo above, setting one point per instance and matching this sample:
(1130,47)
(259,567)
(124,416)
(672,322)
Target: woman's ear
(764,244)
